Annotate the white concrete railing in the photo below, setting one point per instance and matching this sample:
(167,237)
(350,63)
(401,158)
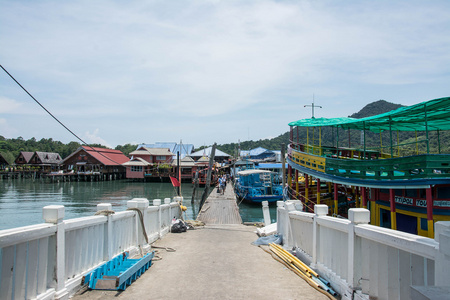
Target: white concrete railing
(364,261)
(48,261)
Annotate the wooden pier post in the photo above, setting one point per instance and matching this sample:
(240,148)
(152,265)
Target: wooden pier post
(194,190)
(208,178)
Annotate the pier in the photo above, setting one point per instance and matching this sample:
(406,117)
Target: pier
(220,209)
(215,261)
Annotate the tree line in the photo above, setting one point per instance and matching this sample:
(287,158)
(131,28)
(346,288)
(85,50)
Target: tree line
(10,148)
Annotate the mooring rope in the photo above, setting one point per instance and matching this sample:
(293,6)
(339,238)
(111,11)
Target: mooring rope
(105,212)
(141,219)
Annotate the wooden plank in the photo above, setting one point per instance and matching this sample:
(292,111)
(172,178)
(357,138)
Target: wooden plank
(220,209)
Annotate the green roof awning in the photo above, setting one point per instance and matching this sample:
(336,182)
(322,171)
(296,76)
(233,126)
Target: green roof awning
(431,115)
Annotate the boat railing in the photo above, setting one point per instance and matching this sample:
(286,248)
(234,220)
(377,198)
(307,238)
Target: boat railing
(48,261)
(363,259)
(409,167)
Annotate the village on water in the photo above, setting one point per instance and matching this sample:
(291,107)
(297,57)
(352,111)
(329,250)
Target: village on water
(353,221)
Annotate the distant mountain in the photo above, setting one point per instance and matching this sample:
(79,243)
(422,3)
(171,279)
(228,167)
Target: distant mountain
(375,108)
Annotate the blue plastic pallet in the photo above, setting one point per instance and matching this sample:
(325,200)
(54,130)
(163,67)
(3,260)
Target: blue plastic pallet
(118,273)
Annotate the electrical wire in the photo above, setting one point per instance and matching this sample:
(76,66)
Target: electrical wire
(55,118)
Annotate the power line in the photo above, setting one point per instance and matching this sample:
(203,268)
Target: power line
(56,119)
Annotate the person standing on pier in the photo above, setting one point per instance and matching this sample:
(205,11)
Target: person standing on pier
(224,180)
(221,185)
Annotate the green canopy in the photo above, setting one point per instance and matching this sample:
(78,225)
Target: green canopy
(429,115)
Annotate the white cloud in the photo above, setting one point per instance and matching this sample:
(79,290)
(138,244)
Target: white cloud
(8,105)
(94,138)
(142,65)
(7,130)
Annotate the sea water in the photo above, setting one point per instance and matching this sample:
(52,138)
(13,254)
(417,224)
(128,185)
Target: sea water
(22,200)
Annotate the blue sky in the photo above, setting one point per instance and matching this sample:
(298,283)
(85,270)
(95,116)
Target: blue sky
(118,72)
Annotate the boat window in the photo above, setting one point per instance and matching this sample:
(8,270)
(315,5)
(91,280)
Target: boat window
(423,224)
(443,192)
(384,191)
(398,192)
(422,193)
(411,193)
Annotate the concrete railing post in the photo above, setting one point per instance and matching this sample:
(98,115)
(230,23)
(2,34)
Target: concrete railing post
(55,214)
(287,237)
(319,210)
(280,220)
(157,202)
(108,237)
(178,199)
(167,201)
(141,204)
(266,213)
(356,216)
(442,262)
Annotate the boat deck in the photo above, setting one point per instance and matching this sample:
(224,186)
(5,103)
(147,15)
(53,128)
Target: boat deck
(220,209)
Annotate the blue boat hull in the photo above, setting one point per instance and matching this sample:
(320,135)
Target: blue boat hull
(257,195)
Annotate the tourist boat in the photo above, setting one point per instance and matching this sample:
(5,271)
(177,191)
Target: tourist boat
(255,186)
(405,182)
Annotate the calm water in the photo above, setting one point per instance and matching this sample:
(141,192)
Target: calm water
(22,200)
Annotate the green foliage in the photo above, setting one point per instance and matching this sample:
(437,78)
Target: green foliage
(10,148)
(375,108)
(127,148)
(354,138)
(270,144)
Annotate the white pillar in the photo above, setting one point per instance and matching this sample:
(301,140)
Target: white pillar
(167,201)
(287,237)
(319,210)
(142,205)
(280,220)
(157,202)
(55,214)
(442,262)
(108,237)
(356,216)
(266,213)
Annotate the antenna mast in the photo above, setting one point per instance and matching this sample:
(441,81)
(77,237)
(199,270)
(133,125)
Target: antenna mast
(312,107)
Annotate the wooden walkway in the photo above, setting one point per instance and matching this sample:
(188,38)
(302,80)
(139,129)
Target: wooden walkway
(220,209)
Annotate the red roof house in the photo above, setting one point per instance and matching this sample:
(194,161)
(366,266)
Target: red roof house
(88,159)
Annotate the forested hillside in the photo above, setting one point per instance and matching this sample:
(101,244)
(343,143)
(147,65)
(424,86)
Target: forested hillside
(354,138)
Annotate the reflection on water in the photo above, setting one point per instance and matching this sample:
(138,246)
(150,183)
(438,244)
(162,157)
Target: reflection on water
(22,200)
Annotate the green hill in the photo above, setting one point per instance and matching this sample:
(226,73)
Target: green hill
(354,138)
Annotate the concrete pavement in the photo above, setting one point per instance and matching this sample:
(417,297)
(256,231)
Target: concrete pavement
(214,262)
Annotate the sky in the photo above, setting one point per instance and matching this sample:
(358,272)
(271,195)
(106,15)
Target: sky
(200,72)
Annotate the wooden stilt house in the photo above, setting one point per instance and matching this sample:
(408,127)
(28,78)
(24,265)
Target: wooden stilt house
(101,162)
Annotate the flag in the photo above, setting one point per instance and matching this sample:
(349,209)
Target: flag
(174,181)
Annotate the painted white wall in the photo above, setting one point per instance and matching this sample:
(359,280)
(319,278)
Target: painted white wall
(364,261)
(47,261)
